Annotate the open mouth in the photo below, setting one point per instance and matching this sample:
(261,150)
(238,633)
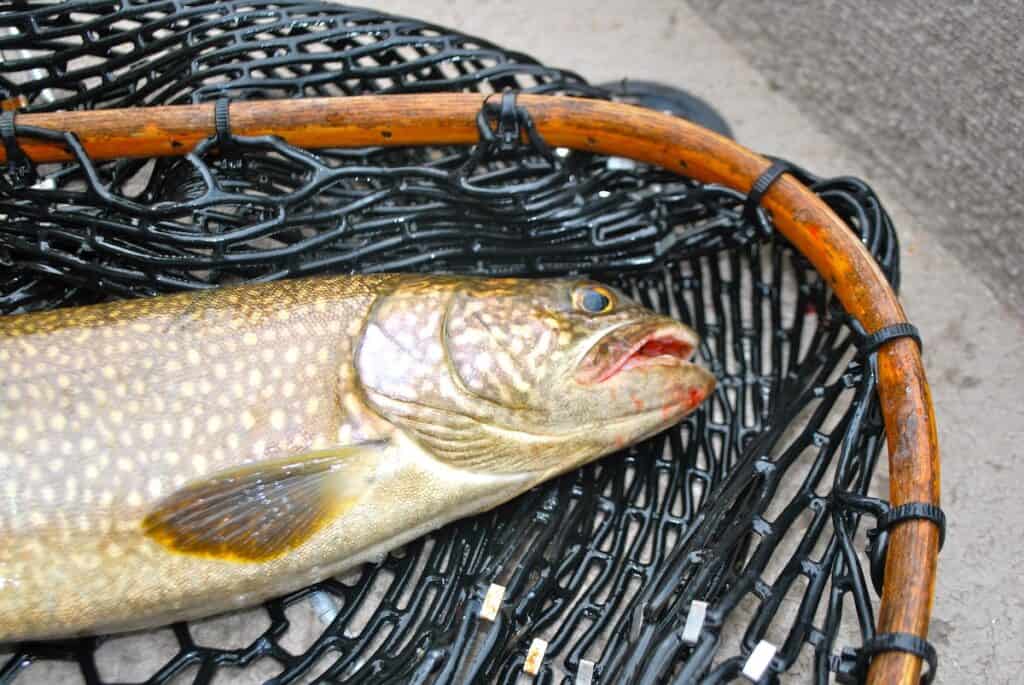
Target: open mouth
(641,347)
(665,350)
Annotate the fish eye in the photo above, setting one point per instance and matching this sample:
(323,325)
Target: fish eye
(593,299)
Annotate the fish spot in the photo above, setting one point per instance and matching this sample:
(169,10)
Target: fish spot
(277,419)
(345,434)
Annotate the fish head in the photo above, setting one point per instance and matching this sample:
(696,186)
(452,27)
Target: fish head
(526,375)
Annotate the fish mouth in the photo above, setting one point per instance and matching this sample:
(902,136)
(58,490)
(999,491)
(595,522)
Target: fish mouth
(637,347)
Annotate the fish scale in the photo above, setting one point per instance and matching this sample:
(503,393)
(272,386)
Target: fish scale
(173,457)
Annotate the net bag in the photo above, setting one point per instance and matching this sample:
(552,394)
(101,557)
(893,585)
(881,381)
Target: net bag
(749,541)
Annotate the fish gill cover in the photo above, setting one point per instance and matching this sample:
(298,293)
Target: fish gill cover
(753,504)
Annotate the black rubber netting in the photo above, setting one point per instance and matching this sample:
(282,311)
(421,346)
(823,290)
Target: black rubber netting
(753,504)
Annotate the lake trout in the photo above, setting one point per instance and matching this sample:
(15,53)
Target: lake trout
(173,457)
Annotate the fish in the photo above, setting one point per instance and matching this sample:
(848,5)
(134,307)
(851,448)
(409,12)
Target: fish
(168,458)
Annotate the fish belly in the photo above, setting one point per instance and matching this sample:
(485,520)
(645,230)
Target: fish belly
(99,583)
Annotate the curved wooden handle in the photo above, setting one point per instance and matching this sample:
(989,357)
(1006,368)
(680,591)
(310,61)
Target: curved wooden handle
(611,129)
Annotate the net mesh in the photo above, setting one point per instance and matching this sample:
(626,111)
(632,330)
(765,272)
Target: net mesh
(754,504)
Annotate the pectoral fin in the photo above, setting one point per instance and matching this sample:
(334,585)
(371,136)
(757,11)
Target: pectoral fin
(259,512)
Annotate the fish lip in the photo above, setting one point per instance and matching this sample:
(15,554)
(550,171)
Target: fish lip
(592,371)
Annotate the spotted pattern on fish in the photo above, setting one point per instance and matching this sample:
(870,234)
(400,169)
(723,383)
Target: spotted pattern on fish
(172,457)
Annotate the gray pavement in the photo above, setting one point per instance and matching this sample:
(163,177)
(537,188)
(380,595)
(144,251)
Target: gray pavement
(930,92)
(973,341)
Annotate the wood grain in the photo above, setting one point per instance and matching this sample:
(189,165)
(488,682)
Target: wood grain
(644,135)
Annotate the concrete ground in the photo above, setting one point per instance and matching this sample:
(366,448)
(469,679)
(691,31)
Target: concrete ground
(973,342)
(931,90)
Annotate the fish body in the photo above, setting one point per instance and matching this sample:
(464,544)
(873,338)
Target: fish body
(169,458)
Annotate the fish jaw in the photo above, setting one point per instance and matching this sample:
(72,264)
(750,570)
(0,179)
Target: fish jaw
(661,342)
(639,380)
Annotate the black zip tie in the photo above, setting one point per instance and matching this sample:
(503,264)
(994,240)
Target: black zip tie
(878,537)
(852,665)
(506,137)
(21,172)
(761,186)
(871,343)
(222,121)
(885,518)
(508,121)
(911,511)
